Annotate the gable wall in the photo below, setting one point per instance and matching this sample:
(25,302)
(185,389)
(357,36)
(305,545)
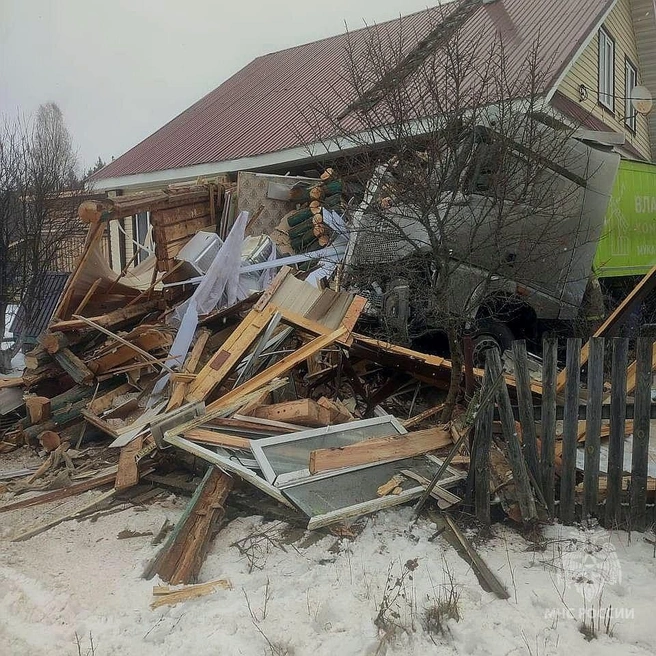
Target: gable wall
(619,25)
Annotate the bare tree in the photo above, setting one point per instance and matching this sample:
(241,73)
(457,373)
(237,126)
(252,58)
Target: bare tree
(37,206)
(476,200)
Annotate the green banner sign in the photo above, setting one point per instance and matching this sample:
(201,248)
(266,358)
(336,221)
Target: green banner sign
(628,243)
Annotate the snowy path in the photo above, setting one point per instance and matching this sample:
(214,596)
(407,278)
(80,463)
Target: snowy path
(308,597)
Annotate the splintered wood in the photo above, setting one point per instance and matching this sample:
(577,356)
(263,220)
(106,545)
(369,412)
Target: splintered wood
(181,557)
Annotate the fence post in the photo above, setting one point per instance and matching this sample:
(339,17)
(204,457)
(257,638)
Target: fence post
(570,430)
(525,402)
(482,442)
(641,425)
(612,516)
(515,456)
(593,428)
(548,425)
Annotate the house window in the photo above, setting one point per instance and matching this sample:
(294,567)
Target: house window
(140,231)
(631,81)
(606,70)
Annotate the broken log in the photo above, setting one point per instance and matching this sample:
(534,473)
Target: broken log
(181,557)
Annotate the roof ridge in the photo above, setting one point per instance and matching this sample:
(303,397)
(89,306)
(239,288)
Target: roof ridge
(439,5)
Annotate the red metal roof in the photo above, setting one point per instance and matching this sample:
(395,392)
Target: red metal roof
(259,110)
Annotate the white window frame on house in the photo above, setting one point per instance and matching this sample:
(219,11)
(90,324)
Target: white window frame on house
(630,82)
(606,70)
(141,234)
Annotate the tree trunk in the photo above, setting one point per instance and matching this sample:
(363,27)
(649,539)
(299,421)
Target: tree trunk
(456,373)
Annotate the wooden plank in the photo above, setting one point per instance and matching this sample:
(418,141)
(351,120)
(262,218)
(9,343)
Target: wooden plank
(616,318)
(182,213)
(127,475)
(525,401)
(206,436)
(593,427)
(193,359)
(631,373)
(278,369)
(230,354)
(444,498)
(353,313)
(617,431)
(44,526)
(5,383)
(570,431)
(379,449)
(94,235)
(272,289)
(548,421)
(56,495)
(304,412)
(514,448)
(147,341)
(170,596)
(106,401)
(109,320)
(191,364)
(88,296)
(641,430)
(477,562)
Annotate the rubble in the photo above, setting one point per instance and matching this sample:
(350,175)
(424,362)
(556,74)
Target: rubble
(227,352)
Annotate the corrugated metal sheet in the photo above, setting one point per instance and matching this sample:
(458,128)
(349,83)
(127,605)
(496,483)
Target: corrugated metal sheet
(53,286)
(261,108)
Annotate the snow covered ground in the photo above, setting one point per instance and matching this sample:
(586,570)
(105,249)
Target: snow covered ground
(310,596)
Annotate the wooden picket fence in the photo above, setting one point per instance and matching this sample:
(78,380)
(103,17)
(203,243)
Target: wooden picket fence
(570,412)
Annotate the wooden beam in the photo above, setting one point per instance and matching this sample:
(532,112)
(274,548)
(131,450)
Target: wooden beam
(127,475)
(109,320)
(303,412)
(615,319)
(379,449)
(230,354)
(206,436)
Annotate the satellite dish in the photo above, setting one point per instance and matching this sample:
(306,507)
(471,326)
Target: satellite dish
(641,99)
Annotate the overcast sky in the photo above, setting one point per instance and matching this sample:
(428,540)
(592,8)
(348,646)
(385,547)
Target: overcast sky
(120,69)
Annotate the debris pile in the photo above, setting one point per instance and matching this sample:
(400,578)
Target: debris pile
(213,349)
(227,363)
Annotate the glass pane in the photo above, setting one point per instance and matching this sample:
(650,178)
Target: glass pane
(318,497)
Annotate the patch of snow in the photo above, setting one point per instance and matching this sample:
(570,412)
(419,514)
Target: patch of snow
(310,594)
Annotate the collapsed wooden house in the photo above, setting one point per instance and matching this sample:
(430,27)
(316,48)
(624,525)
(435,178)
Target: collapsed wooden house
(272,385)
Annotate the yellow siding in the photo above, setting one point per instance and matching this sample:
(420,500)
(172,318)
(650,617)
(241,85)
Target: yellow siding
(619,25)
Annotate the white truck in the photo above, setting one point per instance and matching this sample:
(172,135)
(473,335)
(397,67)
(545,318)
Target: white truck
(517,266)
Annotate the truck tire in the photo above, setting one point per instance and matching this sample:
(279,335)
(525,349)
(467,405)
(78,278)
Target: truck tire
(490,334)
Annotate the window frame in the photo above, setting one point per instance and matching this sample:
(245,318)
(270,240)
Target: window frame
(630,112)
(606,97)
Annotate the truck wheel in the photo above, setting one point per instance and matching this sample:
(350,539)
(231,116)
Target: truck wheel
(491,334)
